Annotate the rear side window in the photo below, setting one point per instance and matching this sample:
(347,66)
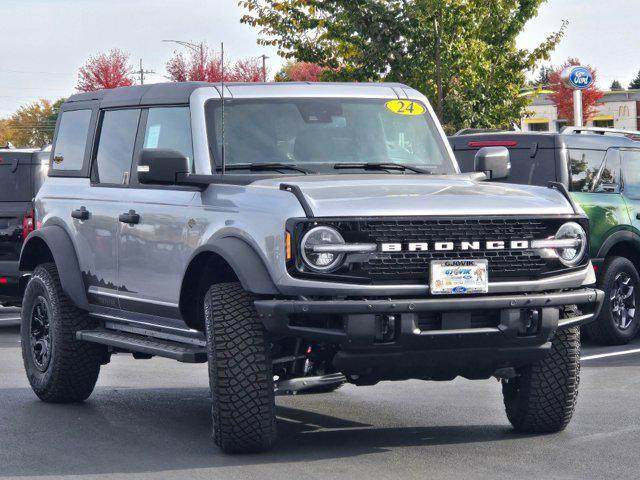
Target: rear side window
(170,128)
(115,146)
(71,140)
(585,165)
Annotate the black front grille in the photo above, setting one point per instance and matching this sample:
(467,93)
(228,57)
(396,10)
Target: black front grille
(390,266)
(406,265)
(413,266)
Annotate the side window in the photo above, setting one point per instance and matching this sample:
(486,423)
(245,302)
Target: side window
(609,180)
(71,140)
(115,146)
(631,173)
(170,128)
(585,165)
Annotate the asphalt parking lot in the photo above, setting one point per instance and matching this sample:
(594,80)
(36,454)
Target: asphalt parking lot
(150,419)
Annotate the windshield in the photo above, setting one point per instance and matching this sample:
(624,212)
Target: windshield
(316,134)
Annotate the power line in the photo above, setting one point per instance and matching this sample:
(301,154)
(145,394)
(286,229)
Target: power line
(142,72)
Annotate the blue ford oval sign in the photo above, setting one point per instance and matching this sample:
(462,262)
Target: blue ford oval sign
(577,77)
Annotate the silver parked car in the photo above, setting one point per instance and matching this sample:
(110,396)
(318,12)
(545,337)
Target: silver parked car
(296,237)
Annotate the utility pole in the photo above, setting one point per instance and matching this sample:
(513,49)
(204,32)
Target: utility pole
(142,72)
(264,67)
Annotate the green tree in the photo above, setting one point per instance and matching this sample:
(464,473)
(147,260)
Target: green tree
(635,83)
(32,125)
(616,86)
(542,79)
(462,54)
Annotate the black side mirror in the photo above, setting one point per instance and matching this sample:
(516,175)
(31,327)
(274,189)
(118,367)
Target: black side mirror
(159,166)
(494,162)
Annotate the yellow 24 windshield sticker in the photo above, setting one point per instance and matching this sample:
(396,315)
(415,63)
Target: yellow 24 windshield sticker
(405,107)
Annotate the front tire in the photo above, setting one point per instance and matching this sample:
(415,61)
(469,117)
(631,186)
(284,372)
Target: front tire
(60,368)
(240,371)
(542,398)
(618,323)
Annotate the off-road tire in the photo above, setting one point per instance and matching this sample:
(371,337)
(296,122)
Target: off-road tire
(240,371)
(542,398)
(604,330)
(74,366)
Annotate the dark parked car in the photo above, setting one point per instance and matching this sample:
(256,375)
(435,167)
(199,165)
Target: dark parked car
(22,172)
(601,169)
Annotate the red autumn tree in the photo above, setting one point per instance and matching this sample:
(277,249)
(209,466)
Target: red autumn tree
(300,72)
(205,65)
(105,70)
(305,72)
(562,96)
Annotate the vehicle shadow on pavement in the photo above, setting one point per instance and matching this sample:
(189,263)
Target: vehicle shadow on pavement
(154,430)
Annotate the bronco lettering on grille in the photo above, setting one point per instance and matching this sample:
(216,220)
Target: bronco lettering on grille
(451,246)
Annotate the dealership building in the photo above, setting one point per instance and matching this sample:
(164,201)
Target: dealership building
(618,109)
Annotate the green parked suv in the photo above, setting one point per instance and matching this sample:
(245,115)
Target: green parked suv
(601,169)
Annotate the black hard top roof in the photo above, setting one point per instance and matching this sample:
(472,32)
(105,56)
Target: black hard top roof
(176,92)
(589,141)
(159,93)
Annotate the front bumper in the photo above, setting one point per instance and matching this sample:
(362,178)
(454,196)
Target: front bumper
(451,345)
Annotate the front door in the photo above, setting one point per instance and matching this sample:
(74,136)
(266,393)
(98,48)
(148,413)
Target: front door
(596,186)
(631,181)
(154,250)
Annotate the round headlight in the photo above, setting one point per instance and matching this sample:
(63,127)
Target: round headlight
(571,255)
(321,261)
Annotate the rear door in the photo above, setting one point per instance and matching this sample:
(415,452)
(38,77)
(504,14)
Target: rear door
(533,157)
(104,200)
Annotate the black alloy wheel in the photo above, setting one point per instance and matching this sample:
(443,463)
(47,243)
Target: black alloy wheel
(40,334)
(623,301)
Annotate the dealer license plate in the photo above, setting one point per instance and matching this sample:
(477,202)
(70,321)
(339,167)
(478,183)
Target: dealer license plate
(451,277)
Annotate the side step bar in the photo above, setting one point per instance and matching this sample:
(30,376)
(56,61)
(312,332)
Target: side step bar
(139,343)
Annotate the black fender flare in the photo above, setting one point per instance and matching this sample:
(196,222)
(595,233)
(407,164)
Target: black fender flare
(245,262)
(616,238)
(59,243)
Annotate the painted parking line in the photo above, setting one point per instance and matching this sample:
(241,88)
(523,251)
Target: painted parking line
(611,354)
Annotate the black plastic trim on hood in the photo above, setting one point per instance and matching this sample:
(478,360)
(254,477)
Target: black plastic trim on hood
(563,190)
(295,189)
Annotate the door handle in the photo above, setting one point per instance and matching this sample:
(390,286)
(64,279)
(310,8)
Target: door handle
(131,217)
(81,213)
(638,216)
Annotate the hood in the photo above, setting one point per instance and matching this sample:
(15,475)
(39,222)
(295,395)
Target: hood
(407,195)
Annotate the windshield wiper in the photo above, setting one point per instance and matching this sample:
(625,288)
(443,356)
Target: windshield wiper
(381,166)
(266,166)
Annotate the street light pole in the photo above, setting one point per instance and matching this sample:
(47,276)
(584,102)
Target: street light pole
(264,67)
(196,47)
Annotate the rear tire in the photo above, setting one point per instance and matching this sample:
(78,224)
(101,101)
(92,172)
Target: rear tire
(618,323)
(542,398)
(60,368)
(240,371)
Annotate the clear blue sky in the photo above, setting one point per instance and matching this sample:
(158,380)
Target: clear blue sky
(44,42)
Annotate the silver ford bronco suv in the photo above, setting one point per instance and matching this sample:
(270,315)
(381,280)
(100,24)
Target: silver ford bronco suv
(297,237)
